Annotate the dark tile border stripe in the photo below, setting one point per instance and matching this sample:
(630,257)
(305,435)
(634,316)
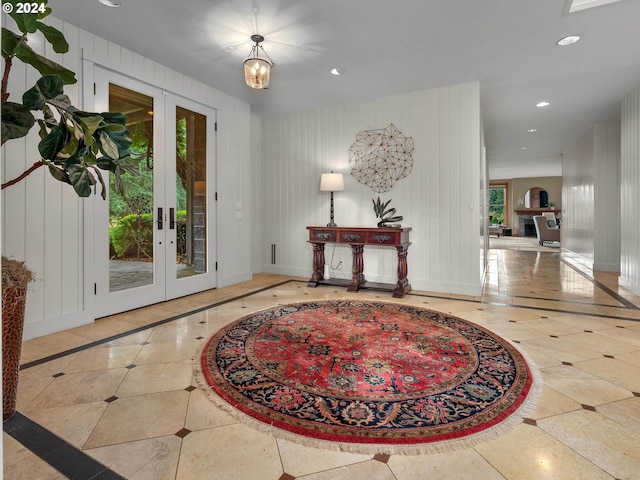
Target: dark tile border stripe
(62,456)
(529,307)
(40,361)
(601,286)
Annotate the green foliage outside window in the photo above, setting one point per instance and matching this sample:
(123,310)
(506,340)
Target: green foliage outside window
(132,236)
(497,203)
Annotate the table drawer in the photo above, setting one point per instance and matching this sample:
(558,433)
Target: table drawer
(383,238)
(347,236)
(321,235)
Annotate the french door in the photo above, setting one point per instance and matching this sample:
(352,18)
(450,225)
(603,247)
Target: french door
(155,236)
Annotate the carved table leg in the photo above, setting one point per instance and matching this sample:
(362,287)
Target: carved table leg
(402,286)
(318,264)
(358,266)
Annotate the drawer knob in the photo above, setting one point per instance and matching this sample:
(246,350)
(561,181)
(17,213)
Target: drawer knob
(381,238)
(350,237)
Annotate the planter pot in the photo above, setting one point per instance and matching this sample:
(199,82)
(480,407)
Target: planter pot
(15,278)
(13,303)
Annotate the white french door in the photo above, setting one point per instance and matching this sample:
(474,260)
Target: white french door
(156,240)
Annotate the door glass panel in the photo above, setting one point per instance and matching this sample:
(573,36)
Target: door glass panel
(191,193)
(131,227)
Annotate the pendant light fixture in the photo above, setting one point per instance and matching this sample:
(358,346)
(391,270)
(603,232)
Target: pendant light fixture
(257,69)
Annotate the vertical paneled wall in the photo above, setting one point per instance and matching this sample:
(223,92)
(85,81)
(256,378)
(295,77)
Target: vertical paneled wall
(606,254)
(440,199)
(259,215)
(42,219)
(630,192)
(591,212)
(578,173)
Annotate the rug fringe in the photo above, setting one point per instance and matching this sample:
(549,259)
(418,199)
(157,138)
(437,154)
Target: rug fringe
(442,446)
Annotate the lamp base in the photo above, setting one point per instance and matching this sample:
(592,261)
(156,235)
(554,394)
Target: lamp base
(332,224)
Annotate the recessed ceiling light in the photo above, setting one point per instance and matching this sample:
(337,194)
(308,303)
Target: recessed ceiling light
(544,103)
(524,148)
(532,130)
(111,3)
(336,71)
(568,40)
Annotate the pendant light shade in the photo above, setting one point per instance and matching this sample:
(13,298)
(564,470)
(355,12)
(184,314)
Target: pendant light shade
(257,66)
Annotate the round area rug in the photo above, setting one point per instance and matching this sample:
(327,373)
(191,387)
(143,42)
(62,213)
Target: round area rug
(369,376)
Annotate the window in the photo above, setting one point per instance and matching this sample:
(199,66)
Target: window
(498,211)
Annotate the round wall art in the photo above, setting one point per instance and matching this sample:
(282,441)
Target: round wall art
(379,158)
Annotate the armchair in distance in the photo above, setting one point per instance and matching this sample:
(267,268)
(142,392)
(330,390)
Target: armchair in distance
(544,232)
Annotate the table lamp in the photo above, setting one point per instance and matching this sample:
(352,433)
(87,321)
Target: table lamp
(331,182)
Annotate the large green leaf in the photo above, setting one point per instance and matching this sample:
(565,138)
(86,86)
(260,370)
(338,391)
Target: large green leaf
(71,147)
(26,22)
(90,122)
(119,186)
(103,191)
(55,37)
(58,173)
(46,88)
(114,127)
(9,42)
(62,103)
(122,140)
(16,121)
(106,163)
(129,165)
(113,117)
(81,179)
(50,146)
(49,118)
(108,146)
(42,64)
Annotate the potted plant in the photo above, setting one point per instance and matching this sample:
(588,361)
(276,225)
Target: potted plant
(385,216)
(75,146)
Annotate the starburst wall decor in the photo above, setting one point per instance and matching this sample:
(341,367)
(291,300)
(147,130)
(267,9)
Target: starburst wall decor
(380,157)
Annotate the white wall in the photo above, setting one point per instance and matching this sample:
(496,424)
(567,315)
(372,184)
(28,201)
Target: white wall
(606,253)
(630,192)
(42,215)
(256,197)
(590,198)
(440,199)
(578,171)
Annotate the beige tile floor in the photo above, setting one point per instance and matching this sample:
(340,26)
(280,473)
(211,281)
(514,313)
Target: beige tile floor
(581,330)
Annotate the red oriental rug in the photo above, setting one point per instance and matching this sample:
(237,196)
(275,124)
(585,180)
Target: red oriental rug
(368,376)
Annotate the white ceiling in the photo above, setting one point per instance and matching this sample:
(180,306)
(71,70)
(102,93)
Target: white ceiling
(390,47)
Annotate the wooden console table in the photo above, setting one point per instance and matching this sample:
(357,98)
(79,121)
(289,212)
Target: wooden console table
(357,238)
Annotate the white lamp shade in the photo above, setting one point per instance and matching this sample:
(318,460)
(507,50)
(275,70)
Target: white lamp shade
(257,72)
(331,182)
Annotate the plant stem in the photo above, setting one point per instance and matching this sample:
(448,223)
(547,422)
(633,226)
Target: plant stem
(24,174)
(5,79)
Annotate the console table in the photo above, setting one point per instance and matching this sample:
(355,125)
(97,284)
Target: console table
(357,238)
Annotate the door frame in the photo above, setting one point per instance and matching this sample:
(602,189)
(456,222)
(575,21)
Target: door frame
(184,286)
(89,204)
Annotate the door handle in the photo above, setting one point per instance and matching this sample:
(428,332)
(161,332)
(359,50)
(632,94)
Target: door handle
(160,221)
(172,220)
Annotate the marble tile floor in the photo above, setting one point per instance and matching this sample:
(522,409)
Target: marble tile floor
(119,400)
